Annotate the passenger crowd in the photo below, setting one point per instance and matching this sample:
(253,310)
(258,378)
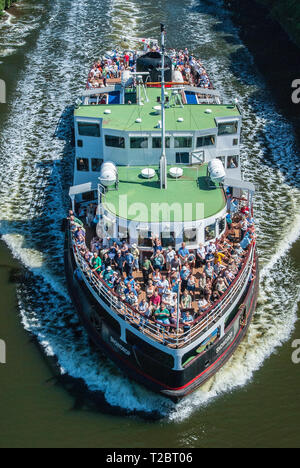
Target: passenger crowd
(112,67)
(192,70)
(168,286)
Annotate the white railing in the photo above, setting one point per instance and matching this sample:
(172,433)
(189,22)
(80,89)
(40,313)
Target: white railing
(155,331)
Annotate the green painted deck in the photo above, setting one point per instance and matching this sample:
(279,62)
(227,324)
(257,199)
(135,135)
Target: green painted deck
(123,117)
(186,199)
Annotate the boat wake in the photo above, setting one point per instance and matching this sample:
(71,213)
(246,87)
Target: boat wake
(36,169)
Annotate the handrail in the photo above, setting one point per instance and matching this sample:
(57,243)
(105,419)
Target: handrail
(129,313)
(215,305)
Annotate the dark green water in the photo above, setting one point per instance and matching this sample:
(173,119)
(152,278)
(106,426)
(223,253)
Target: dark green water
(254,400)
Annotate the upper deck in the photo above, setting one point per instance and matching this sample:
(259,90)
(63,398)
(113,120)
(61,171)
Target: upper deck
(190,198)
(137,118)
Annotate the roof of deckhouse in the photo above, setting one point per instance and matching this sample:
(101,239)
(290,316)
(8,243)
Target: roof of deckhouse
(123,117)
(188,199)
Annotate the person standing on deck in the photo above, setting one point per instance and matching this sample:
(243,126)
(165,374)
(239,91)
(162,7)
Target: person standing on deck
(129,261)
(146,269)
(136,256)
(183,253)
(96,263)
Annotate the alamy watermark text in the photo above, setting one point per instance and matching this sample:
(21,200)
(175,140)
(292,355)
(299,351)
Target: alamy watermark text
(296,92)
(296,353)
(2,352)
(2,92)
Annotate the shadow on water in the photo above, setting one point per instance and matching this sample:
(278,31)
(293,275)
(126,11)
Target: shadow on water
(83,398)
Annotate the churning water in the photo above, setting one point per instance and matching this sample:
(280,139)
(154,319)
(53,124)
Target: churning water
(60,42)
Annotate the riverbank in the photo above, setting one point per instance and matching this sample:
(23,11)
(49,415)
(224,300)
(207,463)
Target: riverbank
(285,13)
(274,52)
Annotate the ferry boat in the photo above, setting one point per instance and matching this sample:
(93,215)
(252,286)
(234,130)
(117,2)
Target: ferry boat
(160,254)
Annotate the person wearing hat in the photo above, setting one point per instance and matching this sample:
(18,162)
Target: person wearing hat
(136,257)
(184,275)
(107,273)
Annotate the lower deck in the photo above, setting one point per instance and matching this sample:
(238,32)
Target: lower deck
(147,365)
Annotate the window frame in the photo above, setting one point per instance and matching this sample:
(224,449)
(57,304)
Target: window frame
(234,124)
(180,154)
(236,158)
(203,140)
(78,162)
(120,138)
(88,124)
(190,240)
(147,244)
(142,139)
(168,241)
(100,164)
(206,231)
(168,142)
(190,138)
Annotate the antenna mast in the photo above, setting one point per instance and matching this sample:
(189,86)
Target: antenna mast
(163,159)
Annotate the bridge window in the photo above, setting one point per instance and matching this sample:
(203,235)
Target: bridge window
(232,162)
(89,196)
(206,141)
(83,165)
(167,239)
(183,142)
(230,128)
(89,129)
(222,225)
(145,238)
(96,164)
(138,143)
(114,141)
(210,232)
(182,158)
(190,236)
(156,142)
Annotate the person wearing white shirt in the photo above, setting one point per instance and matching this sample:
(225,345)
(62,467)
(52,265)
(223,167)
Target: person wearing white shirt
(169,257)
(163,285)
(201,254)
(202,304)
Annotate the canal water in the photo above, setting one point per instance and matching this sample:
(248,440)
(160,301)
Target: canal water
(56,390)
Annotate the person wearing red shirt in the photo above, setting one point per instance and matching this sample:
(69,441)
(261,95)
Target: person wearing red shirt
(155,299)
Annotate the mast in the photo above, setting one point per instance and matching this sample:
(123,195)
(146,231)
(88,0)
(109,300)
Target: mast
(163,158)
